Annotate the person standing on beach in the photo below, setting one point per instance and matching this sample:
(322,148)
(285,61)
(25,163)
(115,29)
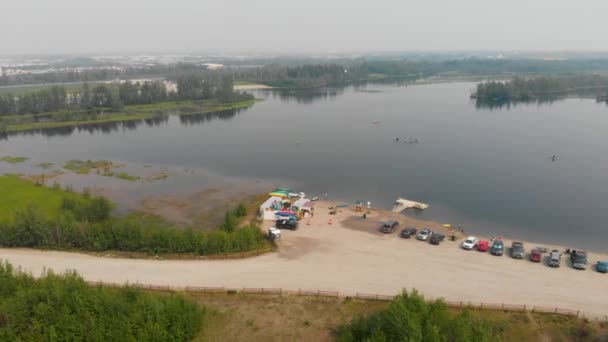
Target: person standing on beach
(369,205)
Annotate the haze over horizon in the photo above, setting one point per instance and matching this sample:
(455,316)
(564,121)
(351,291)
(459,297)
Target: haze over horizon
(314,26)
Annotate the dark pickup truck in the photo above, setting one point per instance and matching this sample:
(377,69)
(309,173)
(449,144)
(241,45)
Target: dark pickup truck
(388,227)
(408,232)
(437,238)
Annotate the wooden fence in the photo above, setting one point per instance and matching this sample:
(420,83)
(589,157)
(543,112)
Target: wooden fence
(336,294)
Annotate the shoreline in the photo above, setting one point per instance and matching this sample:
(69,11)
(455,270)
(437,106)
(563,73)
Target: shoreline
(130,113)
(380,214)
(252,86)
(335,255)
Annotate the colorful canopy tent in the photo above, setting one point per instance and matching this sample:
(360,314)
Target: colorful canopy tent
(278,193)
(283,189)
(269,208)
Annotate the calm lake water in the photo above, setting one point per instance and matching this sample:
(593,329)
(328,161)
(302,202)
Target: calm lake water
(488,169)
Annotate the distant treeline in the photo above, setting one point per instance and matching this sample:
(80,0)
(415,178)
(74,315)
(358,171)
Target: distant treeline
(113,96)
(304,73)
(356,70)
(303,76)
(65,308)
(86,224)
(542,88)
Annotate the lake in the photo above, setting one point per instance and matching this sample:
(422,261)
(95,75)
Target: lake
(487,169)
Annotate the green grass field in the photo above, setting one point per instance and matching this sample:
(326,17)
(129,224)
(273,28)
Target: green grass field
(18,194)
(13,160)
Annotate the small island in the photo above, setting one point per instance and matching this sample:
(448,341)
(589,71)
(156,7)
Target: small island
(61,106)
(541,89)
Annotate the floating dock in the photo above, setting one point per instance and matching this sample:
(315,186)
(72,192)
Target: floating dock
(401,204)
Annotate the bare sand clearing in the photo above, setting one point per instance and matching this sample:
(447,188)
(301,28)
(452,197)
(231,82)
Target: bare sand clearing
(251,86)
(355,258)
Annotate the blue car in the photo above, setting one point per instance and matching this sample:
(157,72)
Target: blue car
(602,266)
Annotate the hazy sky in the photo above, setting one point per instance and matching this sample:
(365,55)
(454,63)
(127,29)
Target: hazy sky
(295,26)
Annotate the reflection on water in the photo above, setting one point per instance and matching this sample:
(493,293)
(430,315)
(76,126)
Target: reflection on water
(304,96)
(197,119)
(129,125)
(102,127)
(505,104)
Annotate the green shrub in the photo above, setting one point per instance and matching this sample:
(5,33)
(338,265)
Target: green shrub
(65,308)
(410,318)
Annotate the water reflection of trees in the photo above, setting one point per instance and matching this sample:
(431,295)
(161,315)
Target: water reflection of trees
(130,125)
(505,104)
(305,96)
(104,127)
(201,118)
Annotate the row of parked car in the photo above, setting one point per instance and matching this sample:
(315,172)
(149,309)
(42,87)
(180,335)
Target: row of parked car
(578,259)
(425,234)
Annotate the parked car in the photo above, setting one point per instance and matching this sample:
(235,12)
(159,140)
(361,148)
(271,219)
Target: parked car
(536,255)
(555,258)
(424,234)
(497,248)
(388,227)
(287,224)
(274,234)
(517,250)
(602,266)
(483,245)
(579,260)
(469,243)
(408,232)
(437,238)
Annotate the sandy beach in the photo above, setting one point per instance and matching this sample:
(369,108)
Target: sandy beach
(251,86)
(349,255)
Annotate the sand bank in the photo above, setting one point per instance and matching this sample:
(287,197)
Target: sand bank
(251,86)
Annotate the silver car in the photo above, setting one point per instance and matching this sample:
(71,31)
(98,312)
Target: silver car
(555,258)
(424,234)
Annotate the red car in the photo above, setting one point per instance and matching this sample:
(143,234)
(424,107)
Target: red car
(536,255)
(483,245)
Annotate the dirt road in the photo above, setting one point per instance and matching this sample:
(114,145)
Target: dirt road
(350,260)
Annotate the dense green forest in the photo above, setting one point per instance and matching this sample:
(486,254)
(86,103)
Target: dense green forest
(64,308)
(303,76)
(83,222)
(542,88)
(410,318)
(113,96)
